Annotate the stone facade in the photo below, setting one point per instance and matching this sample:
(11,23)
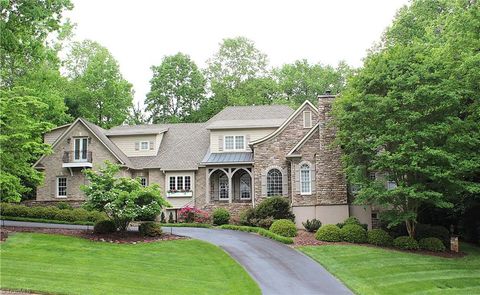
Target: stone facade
(272,153)
(53,166)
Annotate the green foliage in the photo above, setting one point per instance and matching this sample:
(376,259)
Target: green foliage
(220,216)
(431,244)
(352,220)
(63,205)
(170,217)
(410,112)
(97,90)
(353,233)
(162,217)
(260,231)
(246,216)
(329,233)
(312,225)
(104,227)
(51,213)
(122,199)
(435,231)
(276,207)
(176,89)
(21,142)
(284,227)
(200,225)
(150,229)
(379,237)
(405,243)
(302,81)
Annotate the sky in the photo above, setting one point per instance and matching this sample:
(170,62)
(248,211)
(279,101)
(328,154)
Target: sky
(140,33)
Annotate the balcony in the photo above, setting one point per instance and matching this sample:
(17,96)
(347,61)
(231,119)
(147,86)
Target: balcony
(73,159)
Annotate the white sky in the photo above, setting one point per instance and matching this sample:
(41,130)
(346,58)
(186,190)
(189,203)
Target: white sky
(139,33)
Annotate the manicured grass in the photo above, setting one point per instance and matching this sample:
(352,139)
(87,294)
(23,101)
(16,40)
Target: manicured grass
(369,270)
(68,265)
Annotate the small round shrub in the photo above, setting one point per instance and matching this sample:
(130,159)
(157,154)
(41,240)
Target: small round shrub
(221,216)
(312,225)
(431,244)
(379,237)
(406,243)
(104,227)
(150,229)
(353,233)
(66,215)
(433,231)
(328,233)
(284,227)
(64,205)
(351,220)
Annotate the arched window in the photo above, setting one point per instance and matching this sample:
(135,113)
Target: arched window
(245,186)
(223,187)
(305,179)
(274,182)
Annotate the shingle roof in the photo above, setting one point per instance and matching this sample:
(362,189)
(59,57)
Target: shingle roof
(253,113)
(237,124)
(136,130)
(223,158)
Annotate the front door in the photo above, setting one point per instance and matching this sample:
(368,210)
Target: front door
(80,149)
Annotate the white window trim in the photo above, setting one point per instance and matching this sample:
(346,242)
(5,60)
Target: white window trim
(57,187)
(309,192)
(146,180)
(175,177)
(220,191)
(234,143)
(304,121)
(250,188)
(140,148)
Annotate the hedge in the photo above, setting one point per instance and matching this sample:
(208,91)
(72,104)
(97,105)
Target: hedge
(353,233)
(432,244)
(51,213)
(203,225)
(406,243)
(260,231)
(28,219)
(284,227)
(329,233)
(379,237)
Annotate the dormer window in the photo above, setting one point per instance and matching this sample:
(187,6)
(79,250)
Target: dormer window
(307,119)
(234,143)
(144,146)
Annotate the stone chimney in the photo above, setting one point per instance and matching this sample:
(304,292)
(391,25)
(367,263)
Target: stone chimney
(330,176)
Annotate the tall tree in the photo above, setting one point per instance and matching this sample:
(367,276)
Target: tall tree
(97,90)
(412,113)
(301,81)
(176,90)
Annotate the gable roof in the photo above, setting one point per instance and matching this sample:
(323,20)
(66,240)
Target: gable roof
(285,123)
(303,140)
(243,113)
(97,132)
(125,130)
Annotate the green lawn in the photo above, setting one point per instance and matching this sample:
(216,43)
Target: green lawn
(68,265)
(368,270)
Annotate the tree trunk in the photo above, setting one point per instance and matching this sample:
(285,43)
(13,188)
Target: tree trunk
(410,224)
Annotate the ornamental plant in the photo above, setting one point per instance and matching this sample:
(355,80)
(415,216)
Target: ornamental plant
(189,214)
(122,199)
(284,227)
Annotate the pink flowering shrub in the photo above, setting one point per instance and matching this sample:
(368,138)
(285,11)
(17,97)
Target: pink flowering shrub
(189,214)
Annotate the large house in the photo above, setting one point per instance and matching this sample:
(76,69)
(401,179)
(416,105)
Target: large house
(235,160)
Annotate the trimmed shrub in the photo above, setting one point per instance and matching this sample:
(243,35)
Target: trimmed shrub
(260,231)
(189,215)
(379,237)
(406,243)
(246,216)
(328,233)
(276,207)
(431,244)
(353,233)
(162,217)
(64,205)
(66,215)
(170,218)
(80,214)
(433,231)
(221,216)
(313,225)
(95,216)
(150,229)
(104,227)
(284,227)
(352,220)
(264,222)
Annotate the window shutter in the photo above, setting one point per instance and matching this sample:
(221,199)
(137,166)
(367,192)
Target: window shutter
(137,145)
(312,177)
(264,182)
(53,185)
(297,178)
(247,141)
(152,145)
(220,142)
(285,182)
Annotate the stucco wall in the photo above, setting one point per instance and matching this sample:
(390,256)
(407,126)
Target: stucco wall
(127,144)
(327,214)
(363,213)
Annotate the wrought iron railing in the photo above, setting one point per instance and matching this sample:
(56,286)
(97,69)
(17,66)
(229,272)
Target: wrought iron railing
(77,156)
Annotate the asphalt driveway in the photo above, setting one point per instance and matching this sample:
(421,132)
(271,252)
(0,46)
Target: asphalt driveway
(277,268)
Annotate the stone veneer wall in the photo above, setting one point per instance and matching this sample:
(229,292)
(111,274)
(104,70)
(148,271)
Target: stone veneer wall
(273,151)
(53,167)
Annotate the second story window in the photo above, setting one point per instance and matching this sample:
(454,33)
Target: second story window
(144,146)
(180,183)
(80,149)
(234,143)
(143,181)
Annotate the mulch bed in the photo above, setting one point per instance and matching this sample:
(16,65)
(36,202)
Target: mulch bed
(305,238)
(131,237)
